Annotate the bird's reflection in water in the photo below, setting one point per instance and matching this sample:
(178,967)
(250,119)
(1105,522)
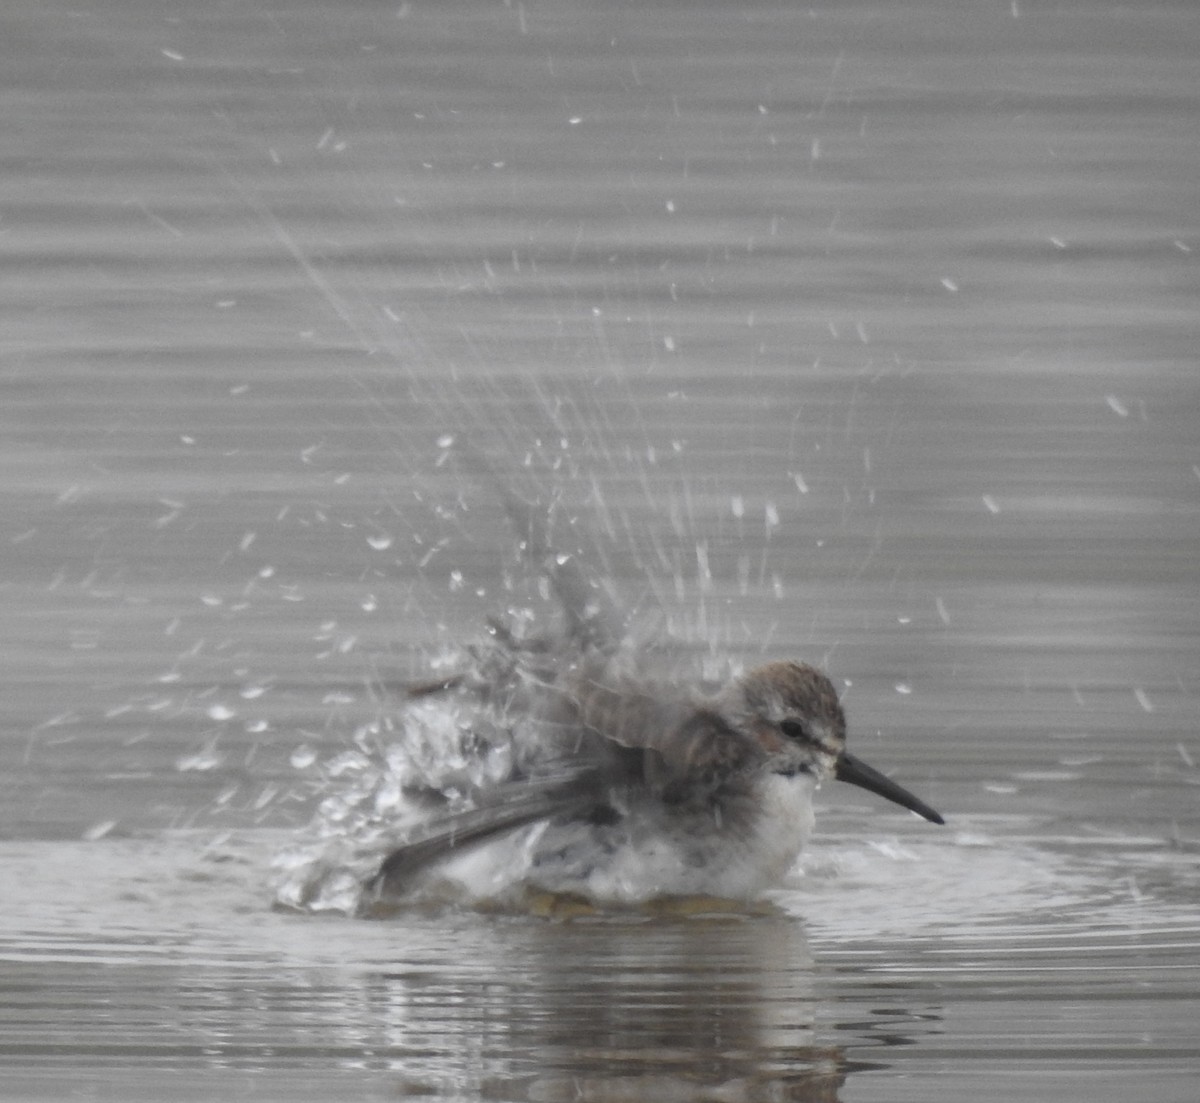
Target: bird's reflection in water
(616,1009)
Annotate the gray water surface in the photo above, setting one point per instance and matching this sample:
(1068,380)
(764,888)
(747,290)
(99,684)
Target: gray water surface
(863,333)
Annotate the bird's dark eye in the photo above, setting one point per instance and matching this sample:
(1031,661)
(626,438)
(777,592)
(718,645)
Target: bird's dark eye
(793,729)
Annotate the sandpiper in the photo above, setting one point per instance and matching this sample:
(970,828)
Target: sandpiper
(621,789)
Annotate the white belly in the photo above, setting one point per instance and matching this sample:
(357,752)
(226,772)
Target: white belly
(654,855)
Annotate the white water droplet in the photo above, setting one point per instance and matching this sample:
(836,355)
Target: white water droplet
(99,830)
(303,757)
(200,762)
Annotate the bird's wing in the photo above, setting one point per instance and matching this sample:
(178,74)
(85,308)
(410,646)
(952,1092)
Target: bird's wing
(569,789)
(687,744)
(593,613)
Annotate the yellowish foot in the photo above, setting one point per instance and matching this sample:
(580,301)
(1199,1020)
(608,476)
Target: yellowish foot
(701,906)
(559,905)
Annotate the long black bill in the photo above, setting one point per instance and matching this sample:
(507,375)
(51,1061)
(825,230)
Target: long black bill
(857,772)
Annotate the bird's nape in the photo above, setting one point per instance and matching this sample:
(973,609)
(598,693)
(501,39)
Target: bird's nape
(857,772)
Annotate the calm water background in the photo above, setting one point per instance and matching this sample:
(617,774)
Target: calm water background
(863,332)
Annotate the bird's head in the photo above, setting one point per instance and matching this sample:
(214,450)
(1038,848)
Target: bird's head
(791,711)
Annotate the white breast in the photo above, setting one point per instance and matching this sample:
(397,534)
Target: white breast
(654,855)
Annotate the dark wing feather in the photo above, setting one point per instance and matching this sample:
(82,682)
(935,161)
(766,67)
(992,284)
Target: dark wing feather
(513,804)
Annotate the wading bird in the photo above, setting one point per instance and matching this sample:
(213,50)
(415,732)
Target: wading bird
(615,787)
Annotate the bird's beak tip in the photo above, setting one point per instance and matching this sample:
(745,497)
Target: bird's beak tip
(856,772)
